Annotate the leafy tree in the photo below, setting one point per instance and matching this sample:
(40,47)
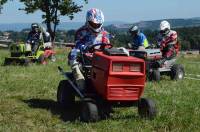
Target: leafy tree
(52,10)
(1,4)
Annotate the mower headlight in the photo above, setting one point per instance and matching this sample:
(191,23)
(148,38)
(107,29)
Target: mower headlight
(117,67)
(136,67)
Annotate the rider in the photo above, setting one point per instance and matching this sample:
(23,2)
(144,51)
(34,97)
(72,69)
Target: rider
(167,41)
(140,41)
(89,34)
(36,35)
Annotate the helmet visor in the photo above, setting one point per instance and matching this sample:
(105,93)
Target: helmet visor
(95,25)
(133,32)
(164,31)
(35,27)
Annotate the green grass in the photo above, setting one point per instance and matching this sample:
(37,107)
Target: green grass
(28,102)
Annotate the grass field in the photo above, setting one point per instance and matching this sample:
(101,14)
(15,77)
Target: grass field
(28,102)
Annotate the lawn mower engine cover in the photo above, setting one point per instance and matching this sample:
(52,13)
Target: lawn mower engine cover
(116,76)
(147,54)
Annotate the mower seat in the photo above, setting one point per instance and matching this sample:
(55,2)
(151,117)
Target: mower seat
(114,52)
(138,54)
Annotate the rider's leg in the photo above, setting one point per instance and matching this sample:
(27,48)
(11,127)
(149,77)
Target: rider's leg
(168,55)
(80,80)
(34,48)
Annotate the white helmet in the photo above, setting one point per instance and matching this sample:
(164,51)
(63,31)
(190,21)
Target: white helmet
(95,19)
(164,25)
(35,26)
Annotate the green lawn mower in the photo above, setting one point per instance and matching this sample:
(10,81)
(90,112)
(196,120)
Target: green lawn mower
(22,54)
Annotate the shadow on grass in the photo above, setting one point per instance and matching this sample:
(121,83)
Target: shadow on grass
(66,114)
(71,113)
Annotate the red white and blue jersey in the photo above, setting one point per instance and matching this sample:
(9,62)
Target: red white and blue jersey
(169,38)
(168,44)
(85,36)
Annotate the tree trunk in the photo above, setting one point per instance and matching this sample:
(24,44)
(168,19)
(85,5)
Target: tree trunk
(48,20)
(55,23)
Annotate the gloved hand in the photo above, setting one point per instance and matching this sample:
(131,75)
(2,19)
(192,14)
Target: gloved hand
(129,45)
(88,47)
(132,46)
(83,48)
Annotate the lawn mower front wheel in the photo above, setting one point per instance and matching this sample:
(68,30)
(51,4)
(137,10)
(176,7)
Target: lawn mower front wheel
(155,75)
(7,62)
(177,72)
(41,59)
(89,111)
(146,108)
(65,94)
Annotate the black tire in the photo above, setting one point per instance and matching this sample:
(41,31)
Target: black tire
(7,62)
(155,75)
(177,72)
(147,108)
(41,59)
(89,112)
(27,62)
(65,94)
(105,110)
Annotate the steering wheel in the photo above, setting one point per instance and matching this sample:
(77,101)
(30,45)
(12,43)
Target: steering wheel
(91,48)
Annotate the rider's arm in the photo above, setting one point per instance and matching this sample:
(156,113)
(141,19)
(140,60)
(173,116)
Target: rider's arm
(172,39)
(79,42)
(143,40)
(106,37)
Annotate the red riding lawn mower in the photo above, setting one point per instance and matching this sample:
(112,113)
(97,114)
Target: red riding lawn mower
(113,79)
(155,71)
(49,53)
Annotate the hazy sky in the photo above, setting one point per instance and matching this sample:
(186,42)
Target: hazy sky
(115,10)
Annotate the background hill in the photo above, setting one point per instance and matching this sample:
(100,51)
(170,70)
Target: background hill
(118,25)
(188,31)
(154,24)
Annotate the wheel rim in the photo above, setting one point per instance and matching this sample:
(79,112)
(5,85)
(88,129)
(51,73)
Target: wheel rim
(53,58)
(180,75)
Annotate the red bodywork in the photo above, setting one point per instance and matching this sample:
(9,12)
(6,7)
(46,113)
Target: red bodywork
(125,85)
(48,53)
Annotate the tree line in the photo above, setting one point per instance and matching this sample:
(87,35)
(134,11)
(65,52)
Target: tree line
(189,37)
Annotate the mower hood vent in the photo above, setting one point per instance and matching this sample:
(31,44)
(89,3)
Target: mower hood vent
(114,52)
